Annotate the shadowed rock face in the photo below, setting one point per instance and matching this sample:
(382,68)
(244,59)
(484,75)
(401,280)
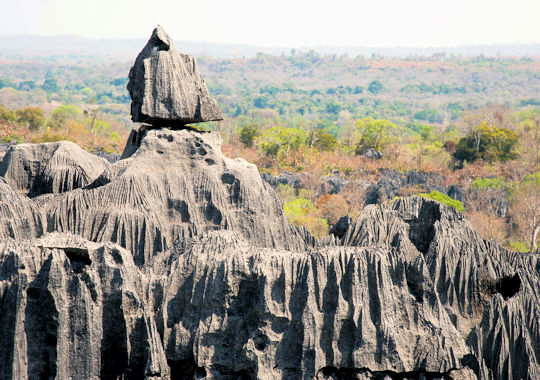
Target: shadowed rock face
(49,168)
(166,87)
(177,263)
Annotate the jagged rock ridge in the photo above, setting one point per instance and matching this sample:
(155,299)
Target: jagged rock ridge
(177,262)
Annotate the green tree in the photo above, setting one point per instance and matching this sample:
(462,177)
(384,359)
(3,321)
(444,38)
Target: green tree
(27,85)
(372,134)
(248,133)
(31,117)
(488,142)
(333,107)
(375,87)
(426,132)
(455,110)
(278,140)
(6,114)
(50,85)
(323,141)
(432,115)
(60,114)
(261,102)
(358,89)
(7,82)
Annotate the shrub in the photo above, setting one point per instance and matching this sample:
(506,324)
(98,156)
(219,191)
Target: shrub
(301,212)
(60,114)
(6,114)
(489,226)
(518,246)
(444,199)
(285,193)
(525,207)
(488,183)
(332,207)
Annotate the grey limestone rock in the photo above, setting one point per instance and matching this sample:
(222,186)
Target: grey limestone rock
(372,153)
(4,147)
(75,309)
(340,228)
(167,88)
(332,185)
(285,178)
(177,185)
(36,169)
(177,262)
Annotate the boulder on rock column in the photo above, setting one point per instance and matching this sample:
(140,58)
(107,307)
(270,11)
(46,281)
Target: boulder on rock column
(166,87)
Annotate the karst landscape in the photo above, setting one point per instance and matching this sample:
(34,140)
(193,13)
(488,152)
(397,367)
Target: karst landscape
(177,262)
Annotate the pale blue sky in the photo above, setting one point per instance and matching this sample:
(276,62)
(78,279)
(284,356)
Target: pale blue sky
(288,23)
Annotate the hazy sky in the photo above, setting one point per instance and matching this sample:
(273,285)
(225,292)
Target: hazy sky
(288,23)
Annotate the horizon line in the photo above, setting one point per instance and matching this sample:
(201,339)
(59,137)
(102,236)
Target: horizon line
(313,47)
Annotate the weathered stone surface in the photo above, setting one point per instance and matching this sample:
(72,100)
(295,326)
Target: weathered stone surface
(4,147)
(177,185)
(36,169)
(372,153)
(340,228)
(167,88)
(75,309)
(177,263)
(285,178)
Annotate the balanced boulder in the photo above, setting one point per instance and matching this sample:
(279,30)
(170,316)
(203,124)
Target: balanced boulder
(166,87)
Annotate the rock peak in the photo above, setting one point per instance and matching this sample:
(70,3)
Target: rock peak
(166,87)
(160,38)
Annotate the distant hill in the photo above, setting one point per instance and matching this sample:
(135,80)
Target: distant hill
(25,46)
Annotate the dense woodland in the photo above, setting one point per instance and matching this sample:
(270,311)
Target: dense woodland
(473,122)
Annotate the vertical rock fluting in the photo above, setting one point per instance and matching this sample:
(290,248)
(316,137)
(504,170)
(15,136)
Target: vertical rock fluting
(276,314)
(177,262)
(177,186)
(71,308)
(410,290)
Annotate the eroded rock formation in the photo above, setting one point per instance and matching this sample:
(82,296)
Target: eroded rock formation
(166,87)
(177,262)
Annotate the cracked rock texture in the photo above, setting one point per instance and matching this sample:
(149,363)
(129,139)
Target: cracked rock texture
(177,262)
(167,88)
